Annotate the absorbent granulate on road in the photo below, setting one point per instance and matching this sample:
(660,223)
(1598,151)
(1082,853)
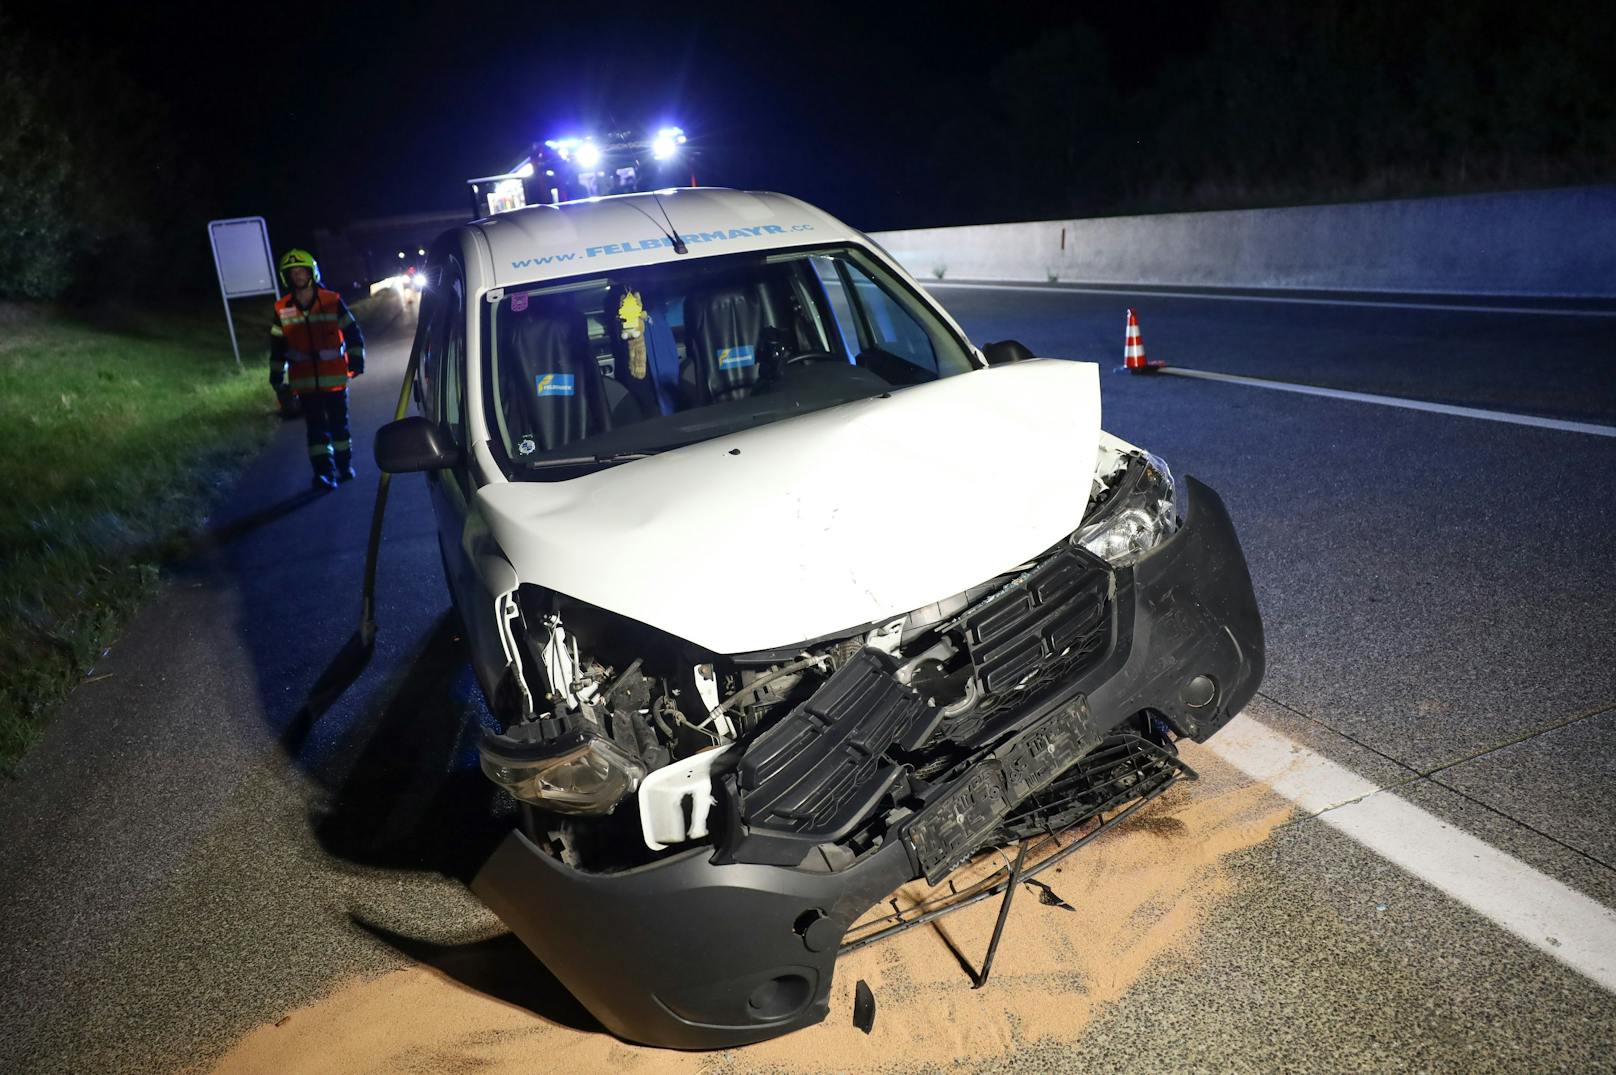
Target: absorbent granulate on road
(1139,895)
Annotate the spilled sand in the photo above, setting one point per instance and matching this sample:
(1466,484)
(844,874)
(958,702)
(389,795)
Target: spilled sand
(1140,893)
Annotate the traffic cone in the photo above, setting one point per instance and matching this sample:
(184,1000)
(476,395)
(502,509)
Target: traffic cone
(1133,350)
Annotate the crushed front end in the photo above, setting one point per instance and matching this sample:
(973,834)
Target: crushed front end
(701,830)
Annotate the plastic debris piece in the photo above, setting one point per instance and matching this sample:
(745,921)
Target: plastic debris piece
(1047,897)
(863,1006)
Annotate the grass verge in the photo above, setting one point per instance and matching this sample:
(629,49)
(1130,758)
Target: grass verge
(116,436)
(118,432)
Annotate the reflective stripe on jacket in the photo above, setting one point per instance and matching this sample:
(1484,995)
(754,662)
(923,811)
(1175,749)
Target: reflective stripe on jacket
(318,346)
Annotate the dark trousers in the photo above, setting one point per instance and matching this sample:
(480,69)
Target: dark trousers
(326,413)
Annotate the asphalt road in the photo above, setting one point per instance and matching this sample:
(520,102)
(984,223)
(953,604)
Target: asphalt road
(188,856)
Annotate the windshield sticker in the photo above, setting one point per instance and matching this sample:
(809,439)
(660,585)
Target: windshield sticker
(555,384)
(730,358)
(526,445)
(637,246)
(518,302)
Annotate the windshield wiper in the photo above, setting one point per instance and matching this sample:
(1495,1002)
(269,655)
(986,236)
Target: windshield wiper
(586,460)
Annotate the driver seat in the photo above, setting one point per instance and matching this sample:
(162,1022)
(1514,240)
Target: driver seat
(723,329)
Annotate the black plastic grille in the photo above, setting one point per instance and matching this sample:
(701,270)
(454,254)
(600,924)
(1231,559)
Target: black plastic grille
(1047,628)
(822,769)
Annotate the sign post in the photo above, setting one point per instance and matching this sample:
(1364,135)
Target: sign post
(244,262)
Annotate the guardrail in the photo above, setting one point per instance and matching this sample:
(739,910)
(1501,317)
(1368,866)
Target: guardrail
(1548,242)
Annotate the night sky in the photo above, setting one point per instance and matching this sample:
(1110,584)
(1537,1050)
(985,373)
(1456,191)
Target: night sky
(317,114)
(886,114)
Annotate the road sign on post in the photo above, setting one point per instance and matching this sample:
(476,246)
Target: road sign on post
(244,262)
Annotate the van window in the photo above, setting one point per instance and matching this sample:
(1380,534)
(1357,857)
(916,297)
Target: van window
(654,357)
(451,411)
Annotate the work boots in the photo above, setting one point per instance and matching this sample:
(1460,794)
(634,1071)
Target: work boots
(325,475)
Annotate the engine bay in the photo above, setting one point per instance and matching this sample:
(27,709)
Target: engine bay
(617,706)
(804,756)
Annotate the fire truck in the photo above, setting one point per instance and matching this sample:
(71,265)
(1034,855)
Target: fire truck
(566,169)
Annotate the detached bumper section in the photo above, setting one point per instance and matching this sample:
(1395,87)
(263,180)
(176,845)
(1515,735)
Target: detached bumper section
(705,950)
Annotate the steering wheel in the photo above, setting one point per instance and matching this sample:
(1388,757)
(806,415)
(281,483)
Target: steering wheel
(814,356)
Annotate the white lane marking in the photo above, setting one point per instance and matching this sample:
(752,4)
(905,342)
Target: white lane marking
(1378,304)
(1550,916)
(1560,424)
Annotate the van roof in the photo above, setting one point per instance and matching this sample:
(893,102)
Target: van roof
(545,242)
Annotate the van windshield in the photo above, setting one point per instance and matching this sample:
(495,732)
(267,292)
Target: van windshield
(591,371)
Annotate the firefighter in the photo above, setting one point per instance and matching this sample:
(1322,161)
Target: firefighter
(316,347)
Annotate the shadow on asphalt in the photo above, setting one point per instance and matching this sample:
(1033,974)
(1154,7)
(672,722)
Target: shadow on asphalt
(499,967)
(227,532)
(346,667)
(414,798)
(387,733)
(403,787)
(181,548)
(403,791)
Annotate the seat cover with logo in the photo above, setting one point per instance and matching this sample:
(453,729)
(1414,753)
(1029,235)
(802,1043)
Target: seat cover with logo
(723,326)
(561,397)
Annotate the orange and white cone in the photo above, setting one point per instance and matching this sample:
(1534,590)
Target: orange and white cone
(1133,349)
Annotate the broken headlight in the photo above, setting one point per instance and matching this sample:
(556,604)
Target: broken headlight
(1140,512)
(576,773)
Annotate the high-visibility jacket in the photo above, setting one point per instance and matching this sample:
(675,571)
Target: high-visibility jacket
(318,349)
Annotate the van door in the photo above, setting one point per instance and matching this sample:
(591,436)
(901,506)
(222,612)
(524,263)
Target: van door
(462,534)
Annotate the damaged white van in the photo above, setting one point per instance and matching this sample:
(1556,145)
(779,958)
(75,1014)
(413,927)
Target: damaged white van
(784,595)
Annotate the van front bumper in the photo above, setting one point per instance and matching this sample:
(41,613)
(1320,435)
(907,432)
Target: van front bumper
(686,953)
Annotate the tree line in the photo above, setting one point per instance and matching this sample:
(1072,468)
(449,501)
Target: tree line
(1285,104)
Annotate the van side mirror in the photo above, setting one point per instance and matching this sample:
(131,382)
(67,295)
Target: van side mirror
(413,444)
(1006,351)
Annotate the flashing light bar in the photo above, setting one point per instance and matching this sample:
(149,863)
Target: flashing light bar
(667,143)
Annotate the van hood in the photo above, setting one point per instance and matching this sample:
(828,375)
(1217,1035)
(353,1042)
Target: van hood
(817,525)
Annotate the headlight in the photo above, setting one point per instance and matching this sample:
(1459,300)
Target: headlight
(1140,514)
(580,774)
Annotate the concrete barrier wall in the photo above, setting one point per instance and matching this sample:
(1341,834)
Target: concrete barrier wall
(1552,242)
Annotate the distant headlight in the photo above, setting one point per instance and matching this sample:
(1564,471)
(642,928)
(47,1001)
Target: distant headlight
(1141,512)
(581,775)
(418,281)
